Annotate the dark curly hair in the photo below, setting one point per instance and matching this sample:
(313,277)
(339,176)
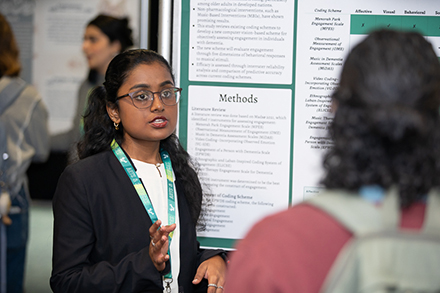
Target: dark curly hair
(99,130)
(386,129)
(116,29)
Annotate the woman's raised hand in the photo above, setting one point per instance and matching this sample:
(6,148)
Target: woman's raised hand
(159,244)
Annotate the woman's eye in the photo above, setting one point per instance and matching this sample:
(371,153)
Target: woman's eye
(141,97)
(167,94)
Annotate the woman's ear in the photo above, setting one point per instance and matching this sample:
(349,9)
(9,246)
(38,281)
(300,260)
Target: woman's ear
(116,47)
(113,112)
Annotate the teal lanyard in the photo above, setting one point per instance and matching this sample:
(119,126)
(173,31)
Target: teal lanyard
(120,155)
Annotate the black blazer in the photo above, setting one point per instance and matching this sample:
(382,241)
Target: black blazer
(101,237)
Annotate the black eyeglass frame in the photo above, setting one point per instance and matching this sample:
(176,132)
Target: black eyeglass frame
(176,90)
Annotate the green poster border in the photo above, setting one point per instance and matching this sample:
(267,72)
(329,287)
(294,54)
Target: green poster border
(183,107)
(427,25)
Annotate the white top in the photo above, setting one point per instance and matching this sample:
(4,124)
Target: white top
(156,187)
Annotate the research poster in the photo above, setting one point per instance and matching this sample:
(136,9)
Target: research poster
(235,118)
(325,34)
(257,79)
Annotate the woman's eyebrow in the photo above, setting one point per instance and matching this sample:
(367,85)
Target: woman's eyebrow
(144,85)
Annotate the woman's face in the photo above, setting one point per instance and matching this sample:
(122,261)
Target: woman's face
(98,49)
(156,122)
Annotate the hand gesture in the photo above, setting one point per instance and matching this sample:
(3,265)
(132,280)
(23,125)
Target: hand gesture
(5,206)
(213,269)
(159,244)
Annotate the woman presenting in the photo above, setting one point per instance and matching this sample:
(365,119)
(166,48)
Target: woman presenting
(126,213)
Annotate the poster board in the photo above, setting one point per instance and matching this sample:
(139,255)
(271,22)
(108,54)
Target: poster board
(257,78)
(59,64)
(49,34)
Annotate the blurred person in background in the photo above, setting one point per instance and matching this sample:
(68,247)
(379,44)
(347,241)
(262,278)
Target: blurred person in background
(24,119)
(104,37)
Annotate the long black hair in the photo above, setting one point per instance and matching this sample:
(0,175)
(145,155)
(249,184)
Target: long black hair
(386,129)
(116,29)
(99,130)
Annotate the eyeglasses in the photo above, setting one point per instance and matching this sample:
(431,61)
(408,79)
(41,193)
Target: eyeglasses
(143,99)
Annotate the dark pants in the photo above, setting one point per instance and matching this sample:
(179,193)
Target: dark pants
(17,236)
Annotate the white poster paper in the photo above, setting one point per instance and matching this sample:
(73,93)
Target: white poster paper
(241,139)
(325,34)
(241,41)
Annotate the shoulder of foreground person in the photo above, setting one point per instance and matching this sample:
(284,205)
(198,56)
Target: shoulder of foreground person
(291,251)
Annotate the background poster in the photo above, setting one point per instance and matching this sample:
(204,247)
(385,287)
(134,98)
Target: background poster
(287,55)
(49,34)
(21,19)
(59,64)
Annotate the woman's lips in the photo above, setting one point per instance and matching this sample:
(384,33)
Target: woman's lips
(159,122)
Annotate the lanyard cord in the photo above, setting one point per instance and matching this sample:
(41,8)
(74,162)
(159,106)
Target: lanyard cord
(143,195)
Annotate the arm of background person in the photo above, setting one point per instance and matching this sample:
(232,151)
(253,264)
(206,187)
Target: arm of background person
(37,131)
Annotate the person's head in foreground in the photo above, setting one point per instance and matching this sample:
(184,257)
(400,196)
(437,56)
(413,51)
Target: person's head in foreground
(386,132)
(386,124)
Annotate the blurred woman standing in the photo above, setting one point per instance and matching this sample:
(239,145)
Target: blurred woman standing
(104,37)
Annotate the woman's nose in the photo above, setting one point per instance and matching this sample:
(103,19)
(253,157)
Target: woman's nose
(156,105)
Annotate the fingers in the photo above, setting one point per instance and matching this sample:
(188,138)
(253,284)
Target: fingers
(166,230)
(157,231)
(160,234)
(159,243)
(213,269)
(6,220)
(215,284)
(213,288)
(199,276)
(154,227)
(158,252)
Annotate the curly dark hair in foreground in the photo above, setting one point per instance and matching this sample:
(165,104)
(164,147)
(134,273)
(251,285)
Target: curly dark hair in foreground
(386,129)
(99,129)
